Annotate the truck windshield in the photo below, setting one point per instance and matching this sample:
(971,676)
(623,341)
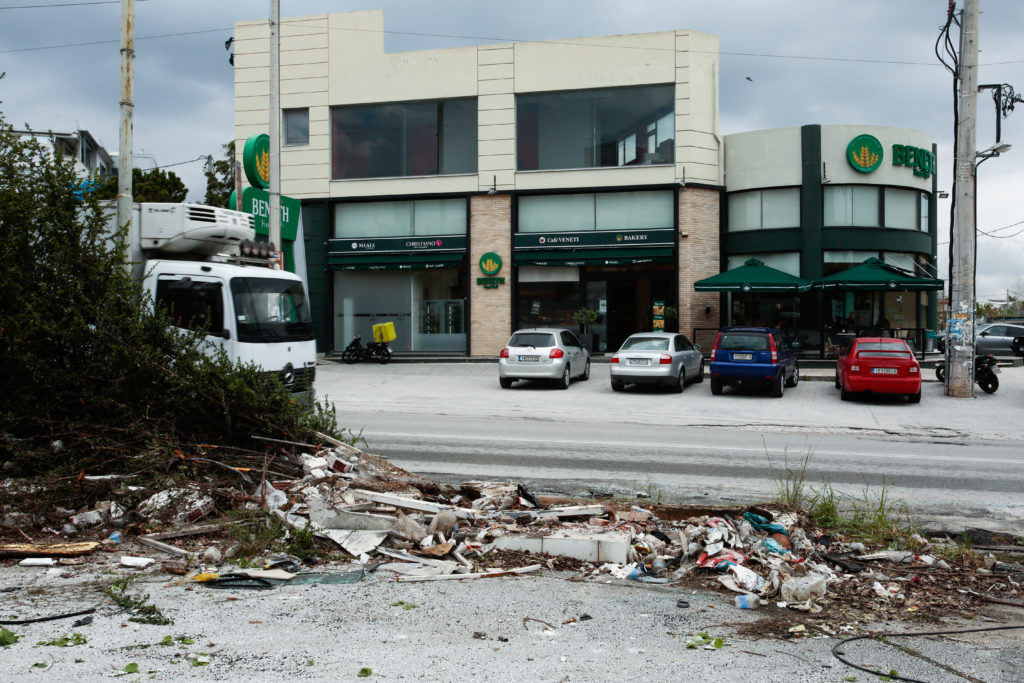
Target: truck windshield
(271,310)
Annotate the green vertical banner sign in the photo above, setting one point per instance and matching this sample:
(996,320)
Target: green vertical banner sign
(658,309)
(256,202)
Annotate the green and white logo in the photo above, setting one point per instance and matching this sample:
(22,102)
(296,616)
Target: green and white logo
(490,263)
(864,153)
(256,160)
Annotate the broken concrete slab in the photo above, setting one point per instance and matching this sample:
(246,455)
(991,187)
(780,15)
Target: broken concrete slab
(608,546)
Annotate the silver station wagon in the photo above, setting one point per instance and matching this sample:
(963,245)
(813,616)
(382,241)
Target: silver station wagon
(543,353)
(664,358)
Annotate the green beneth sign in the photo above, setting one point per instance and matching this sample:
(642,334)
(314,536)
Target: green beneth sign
(490,265)
(257,203)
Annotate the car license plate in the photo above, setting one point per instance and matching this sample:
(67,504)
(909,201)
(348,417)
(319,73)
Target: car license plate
(884,371)
(743,356)
(639,361)
(529,359)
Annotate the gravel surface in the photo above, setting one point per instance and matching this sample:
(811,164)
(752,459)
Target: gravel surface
(496,629)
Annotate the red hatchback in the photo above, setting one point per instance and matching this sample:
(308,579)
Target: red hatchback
(880,365)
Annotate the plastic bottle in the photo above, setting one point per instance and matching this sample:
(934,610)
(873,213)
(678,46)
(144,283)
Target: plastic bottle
(748,601)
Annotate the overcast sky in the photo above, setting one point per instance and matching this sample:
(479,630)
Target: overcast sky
(808,61)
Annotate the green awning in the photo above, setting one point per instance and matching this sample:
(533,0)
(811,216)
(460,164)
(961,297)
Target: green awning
(752,276)
(592,257)
(877,275)
(394,261)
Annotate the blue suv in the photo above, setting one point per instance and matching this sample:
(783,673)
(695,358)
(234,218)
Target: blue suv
(753,356)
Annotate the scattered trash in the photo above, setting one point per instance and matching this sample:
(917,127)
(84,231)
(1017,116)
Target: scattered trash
(748,601)
(136,562)
(38,562)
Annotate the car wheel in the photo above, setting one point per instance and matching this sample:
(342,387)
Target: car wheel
(716,387)
(845,395)
(839,384)
(779,386)
(564,382)
(680,382)
(586,372)
(618,386)
(914,398)
(989,384)
(795,379)
(700,373)
(505,382)
(940,373)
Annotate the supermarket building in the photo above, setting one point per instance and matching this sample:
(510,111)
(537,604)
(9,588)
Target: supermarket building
(463,193)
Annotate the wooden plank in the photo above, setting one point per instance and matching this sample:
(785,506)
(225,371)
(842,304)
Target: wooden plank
(55,550)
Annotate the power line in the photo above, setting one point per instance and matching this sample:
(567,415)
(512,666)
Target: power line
(580,43)
(68,4)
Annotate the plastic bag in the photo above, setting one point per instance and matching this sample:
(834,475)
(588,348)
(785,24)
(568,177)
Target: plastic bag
(803,588)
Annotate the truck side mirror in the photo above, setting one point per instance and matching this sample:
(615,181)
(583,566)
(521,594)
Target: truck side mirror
(225,334)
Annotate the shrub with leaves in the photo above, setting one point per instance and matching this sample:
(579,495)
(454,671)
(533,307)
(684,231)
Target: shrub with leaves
(93,379)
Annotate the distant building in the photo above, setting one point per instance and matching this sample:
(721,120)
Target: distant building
(89,155)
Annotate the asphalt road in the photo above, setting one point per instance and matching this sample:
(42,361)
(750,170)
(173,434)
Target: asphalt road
(955,462)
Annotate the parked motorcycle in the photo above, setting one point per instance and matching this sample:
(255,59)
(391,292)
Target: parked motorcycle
(373,351)
(985,370)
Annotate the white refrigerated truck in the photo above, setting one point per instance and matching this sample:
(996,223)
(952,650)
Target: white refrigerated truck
(203,264)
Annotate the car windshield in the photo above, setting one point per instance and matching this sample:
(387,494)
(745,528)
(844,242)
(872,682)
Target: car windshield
(645,344)
(743,342)
(533,339)
(271,310)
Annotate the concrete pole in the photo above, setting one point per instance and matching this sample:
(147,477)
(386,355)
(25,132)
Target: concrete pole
(275,123)
(960,352)
(125,160)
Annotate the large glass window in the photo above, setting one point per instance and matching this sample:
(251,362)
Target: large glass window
(401,218)
(764,209)
(644,210)
(786,261)
(901,209)
(851,205)
(426,306)
(596,128)
(404,139)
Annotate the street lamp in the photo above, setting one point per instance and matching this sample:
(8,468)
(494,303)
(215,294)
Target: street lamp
(993,151)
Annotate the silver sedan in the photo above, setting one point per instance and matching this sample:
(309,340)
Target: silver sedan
(663,358)
(543,353)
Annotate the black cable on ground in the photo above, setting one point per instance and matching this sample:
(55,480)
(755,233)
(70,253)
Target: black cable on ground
(52,617)
(839,655)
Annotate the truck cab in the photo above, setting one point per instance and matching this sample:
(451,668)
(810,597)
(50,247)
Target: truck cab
(199,262)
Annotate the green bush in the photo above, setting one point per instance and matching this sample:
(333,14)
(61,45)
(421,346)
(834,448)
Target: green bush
(91,379)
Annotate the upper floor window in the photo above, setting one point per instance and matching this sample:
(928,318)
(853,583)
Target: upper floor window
(595,128)
(437,137)
(866,206)
(642,210)
(764,209)
(296,126)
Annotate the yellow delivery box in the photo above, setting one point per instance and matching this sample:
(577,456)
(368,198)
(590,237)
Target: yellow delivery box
(384,332)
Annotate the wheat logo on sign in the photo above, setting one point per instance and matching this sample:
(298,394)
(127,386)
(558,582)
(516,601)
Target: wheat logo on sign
(864,153)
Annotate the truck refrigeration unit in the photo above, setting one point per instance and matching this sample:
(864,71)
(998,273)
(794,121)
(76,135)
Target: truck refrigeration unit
(203,265)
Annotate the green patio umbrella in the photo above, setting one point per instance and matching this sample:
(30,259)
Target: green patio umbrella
(752,276)
(877,275)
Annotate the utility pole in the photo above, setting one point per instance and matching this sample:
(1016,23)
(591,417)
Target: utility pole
(125,161)
(960,349)
(275,123)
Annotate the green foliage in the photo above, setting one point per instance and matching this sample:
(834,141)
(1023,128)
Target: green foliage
(95,380)
(585,316)
(142,612)
(220,177)
(7,637)
(66,641)
(156,185)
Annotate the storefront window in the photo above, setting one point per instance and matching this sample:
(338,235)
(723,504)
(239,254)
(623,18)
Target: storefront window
(851,205)
(786,261)
(596,128)
(426,306)
(644,210)
(400,218)
(901,209)
(764,209)
(548,304)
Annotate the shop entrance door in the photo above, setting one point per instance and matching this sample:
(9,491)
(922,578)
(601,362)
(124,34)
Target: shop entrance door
(622,311)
